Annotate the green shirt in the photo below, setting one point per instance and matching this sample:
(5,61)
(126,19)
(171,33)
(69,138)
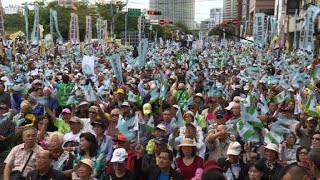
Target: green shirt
(62,126)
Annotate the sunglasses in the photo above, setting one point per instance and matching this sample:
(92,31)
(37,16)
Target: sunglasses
(114,115)
(318,139)
(303,153)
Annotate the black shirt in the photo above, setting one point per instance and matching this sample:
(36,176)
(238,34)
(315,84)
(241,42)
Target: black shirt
(50,175)
(127,176)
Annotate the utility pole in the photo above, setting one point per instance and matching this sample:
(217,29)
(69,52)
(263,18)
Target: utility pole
(240,2)
(126,24)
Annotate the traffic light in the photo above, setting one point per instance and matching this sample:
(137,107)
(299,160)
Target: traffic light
(154,12)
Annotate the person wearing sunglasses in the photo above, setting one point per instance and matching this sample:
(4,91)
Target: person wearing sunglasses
(302,153)
(112,128)
(315,140)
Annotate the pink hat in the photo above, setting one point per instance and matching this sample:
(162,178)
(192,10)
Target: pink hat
(66,110)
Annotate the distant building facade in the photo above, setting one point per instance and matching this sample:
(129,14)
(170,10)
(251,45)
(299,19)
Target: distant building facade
(216,15)
(14,9)
(230,10)
(173,10)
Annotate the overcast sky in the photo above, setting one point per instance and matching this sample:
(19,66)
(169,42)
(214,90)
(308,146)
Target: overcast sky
(202,6)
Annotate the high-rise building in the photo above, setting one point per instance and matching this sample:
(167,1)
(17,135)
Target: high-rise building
(259,6)
(216,16)
(230,9)
(174,10)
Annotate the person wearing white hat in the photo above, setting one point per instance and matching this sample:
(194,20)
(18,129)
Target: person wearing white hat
(234,107)
(271,165)
(119,160)
(233,166)
(199,101)
(159,131)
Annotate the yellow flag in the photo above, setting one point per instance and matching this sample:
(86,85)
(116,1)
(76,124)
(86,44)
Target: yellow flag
(272,43)
(14,51)
(69,45)
(41,29)
(16,34)
(1,49)
(81,46)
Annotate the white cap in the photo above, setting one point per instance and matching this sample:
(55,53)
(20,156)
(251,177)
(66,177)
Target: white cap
(176,106)
(119,155)
(234,148)
(199,95)
(272,147)
(231,105)
(238,99)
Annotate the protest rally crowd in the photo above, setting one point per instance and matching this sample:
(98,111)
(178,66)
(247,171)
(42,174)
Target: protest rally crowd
(227,110)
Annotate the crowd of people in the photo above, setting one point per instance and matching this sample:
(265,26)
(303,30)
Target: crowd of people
(228,110)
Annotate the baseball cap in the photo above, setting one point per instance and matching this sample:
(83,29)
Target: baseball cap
(119,155)
(100,122)
(120,91)
(199,95)
(125,104)
(66,110)
(161,127)
(234,148)
(147,108)
(75,119)
(231,105)
(219,113)
(120,138)
(191,124)
(176,106)
(311,119)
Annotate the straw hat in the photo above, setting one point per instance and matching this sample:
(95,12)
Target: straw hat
(187,142)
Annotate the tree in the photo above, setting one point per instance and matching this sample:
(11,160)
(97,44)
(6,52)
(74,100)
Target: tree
(13,23)
(218,31)
(182,26)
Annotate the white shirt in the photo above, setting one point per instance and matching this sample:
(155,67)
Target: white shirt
(71,137)
(86,125)
(190,37)
(235,170)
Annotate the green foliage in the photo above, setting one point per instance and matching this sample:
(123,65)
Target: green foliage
(183,27)
(15,22)
(229,29)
